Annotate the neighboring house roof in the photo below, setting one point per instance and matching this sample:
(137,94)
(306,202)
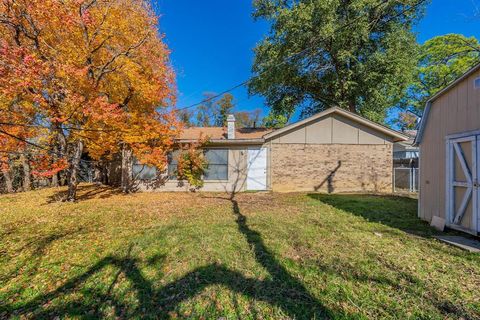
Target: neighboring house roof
(258,135)
(428,105)
(408,144)
(397,136)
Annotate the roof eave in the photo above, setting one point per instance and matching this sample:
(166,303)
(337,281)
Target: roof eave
(397,136)
(426,111)
(226,141)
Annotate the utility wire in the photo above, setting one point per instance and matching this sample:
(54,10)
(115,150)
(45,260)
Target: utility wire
(49,127)
(300,53)
(240,84)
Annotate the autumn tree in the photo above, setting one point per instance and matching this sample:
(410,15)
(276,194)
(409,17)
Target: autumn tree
(185,117)
(358,54)
(248,119)
(99,79)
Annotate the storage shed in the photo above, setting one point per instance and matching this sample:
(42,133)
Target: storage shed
(449,140)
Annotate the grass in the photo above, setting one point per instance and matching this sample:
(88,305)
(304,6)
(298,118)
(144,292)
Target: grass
(204,256)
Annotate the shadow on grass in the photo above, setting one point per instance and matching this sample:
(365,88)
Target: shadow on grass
(86,192)
(396,212)
(281,289)
(37,246)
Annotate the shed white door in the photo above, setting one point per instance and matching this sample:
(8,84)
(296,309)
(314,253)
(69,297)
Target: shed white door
(462,184)
(257,169)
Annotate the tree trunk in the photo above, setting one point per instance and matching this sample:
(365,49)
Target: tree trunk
(98,173)
(27,177)
(127,163)
(54,182)
(8,181)
(59,152)
(74,168)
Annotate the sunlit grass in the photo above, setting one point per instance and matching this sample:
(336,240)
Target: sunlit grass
(162,255)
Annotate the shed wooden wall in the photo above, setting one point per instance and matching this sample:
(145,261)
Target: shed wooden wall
(455,111)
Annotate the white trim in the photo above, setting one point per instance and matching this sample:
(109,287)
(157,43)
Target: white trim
(460,184)
(463,135)
(463,163)
(453,152)
(476,189)
(450,203)
(463,206)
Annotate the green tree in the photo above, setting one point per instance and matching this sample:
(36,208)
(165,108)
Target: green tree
(275,121)
(356,54)
(224,107)
(441,60)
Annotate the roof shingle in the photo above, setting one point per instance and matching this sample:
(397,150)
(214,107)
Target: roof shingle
(220,133)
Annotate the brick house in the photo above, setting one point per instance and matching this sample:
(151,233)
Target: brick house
(332,151)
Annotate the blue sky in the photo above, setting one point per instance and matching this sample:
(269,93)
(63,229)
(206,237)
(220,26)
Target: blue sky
(212,41)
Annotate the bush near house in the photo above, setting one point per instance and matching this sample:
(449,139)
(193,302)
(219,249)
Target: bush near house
(209,256)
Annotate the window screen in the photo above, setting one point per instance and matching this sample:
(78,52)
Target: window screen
(217,164)
(144,172)
(172,164)
(477,83)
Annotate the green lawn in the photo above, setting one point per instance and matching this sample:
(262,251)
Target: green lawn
(206,256)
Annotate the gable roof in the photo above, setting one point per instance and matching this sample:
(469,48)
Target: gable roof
(428,105)
(397,136)
(259,135)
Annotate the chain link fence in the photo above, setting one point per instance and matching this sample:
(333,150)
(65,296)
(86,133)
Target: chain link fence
(405,175)
(405,179)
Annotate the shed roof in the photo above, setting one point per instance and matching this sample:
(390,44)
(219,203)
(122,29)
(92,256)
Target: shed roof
(428,105)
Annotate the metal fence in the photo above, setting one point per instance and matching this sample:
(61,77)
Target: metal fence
(405,179)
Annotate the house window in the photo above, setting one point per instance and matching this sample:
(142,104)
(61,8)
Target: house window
(172,164)
(143,172)
(476,83)
(217,164)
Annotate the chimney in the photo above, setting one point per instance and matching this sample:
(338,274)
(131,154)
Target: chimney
(231,126)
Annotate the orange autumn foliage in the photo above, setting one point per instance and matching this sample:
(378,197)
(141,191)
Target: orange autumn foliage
(89,71)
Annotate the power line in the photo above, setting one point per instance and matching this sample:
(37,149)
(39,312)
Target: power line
(49,127)
(300,53)
(46,148)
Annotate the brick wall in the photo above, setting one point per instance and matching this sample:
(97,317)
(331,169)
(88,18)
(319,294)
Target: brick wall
(331,167)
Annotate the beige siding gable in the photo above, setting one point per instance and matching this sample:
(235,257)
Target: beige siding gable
(320,132)
(332,129)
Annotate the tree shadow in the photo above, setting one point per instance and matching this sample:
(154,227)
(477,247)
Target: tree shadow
(86,192)
(281,289)
(38,247)
(329,179)
(393,211)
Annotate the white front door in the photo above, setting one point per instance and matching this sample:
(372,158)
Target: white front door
(257,169)
(463,189)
